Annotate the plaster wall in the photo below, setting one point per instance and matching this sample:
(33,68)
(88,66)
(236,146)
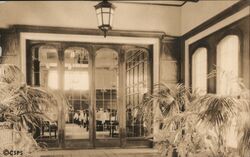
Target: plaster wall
(194,14)
(81,14)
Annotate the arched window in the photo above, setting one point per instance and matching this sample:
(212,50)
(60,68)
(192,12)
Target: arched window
(228,65)
(199,70)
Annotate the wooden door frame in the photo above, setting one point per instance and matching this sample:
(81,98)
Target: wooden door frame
(24,36)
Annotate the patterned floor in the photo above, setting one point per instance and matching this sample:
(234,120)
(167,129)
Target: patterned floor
(99,153)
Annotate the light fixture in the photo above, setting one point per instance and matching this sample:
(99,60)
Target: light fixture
(104,12)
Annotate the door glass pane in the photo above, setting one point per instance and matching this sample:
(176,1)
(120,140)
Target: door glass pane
(138,74)
(45,74)
(106,77)
(76,89)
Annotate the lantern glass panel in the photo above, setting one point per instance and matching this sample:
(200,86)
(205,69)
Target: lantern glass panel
(105,18)
(105,10)
(99,18)
(98,11)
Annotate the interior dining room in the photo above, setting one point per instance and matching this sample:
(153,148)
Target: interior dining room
(125,78)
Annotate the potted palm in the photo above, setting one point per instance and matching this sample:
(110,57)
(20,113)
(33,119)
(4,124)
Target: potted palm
(22,109)
(224,119)
(196,125)
(170,102)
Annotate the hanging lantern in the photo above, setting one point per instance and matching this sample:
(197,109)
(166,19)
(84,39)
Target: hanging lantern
(104,12)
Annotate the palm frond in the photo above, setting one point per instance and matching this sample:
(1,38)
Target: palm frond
(26,107)
(165,99)
(10,73)
(181,120)
(244,142)
(142,112)
(216,110)
(23,99)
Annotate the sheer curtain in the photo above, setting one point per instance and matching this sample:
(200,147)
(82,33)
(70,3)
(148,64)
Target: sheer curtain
(228,65)
(199,70)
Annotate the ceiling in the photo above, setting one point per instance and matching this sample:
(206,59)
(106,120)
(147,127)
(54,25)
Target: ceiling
(173,3)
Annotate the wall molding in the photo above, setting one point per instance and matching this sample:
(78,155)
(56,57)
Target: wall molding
(217,18)
(235,15)
(85,31)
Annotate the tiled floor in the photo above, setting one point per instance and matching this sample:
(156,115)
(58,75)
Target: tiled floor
(99,153)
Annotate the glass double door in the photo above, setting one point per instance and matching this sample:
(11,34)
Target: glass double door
(70,72)
(80,122)
(91,83)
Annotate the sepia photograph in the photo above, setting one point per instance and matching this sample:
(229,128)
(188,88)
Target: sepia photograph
(125,78)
